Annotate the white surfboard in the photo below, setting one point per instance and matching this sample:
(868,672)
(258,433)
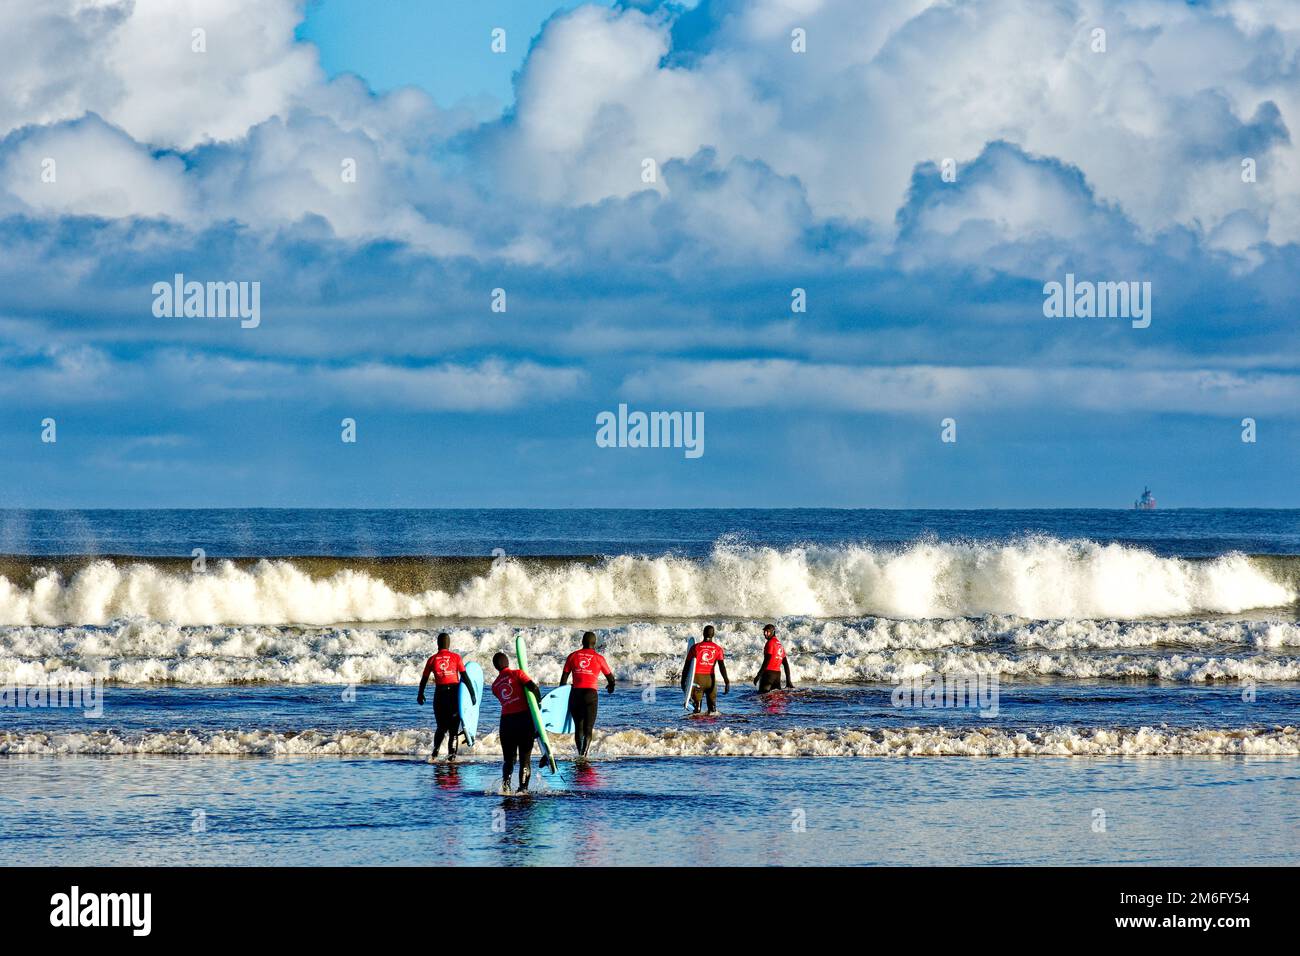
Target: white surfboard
(689,676)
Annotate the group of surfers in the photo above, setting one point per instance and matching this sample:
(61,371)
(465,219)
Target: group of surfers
(586,666)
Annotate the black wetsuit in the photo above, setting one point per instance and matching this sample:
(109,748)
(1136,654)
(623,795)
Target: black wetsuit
(769,680)
(583,704)
(446,713)
(517,736)
(706,689)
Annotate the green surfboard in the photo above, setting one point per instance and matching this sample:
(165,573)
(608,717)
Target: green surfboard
(521,652)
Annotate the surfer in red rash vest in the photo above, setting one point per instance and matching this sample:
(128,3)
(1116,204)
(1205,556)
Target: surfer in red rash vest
(768,677)
(448,672)
(707,653)
(587,667)
(517,730)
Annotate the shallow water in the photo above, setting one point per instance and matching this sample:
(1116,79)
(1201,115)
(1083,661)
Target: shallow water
(670,812)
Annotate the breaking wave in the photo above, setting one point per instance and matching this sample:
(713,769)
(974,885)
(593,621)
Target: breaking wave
(875,649)
(1040,578)
(838,742)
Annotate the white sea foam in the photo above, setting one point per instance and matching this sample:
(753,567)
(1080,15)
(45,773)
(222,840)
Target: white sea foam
(837,742)
(1038,578)
(876,649)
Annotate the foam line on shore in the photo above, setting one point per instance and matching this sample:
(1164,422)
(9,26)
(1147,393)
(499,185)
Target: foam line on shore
(668,742)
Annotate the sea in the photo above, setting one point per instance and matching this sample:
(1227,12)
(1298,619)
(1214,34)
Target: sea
(995,687)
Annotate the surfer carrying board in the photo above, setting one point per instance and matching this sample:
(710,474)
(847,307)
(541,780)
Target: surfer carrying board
(448,672)
(706,655)
(517,730)
(587,667)
(768,677)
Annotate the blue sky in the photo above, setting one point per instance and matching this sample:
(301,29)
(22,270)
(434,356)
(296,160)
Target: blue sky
(437,45)
(1161,152)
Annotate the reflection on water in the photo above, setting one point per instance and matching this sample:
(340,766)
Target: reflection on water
(447,776)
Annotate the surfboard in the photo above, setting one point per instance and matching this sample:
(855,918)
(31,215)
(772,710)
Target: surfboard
(468,708)
(689,676)
(521,652)
(555,711)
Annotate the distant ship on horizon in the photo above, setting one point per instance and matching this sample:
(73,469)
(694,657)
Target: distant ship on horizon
(1147,502)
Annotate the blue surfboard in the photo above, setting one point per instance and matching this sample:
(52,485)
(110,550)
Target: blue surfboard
(555,711)
(469,709)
